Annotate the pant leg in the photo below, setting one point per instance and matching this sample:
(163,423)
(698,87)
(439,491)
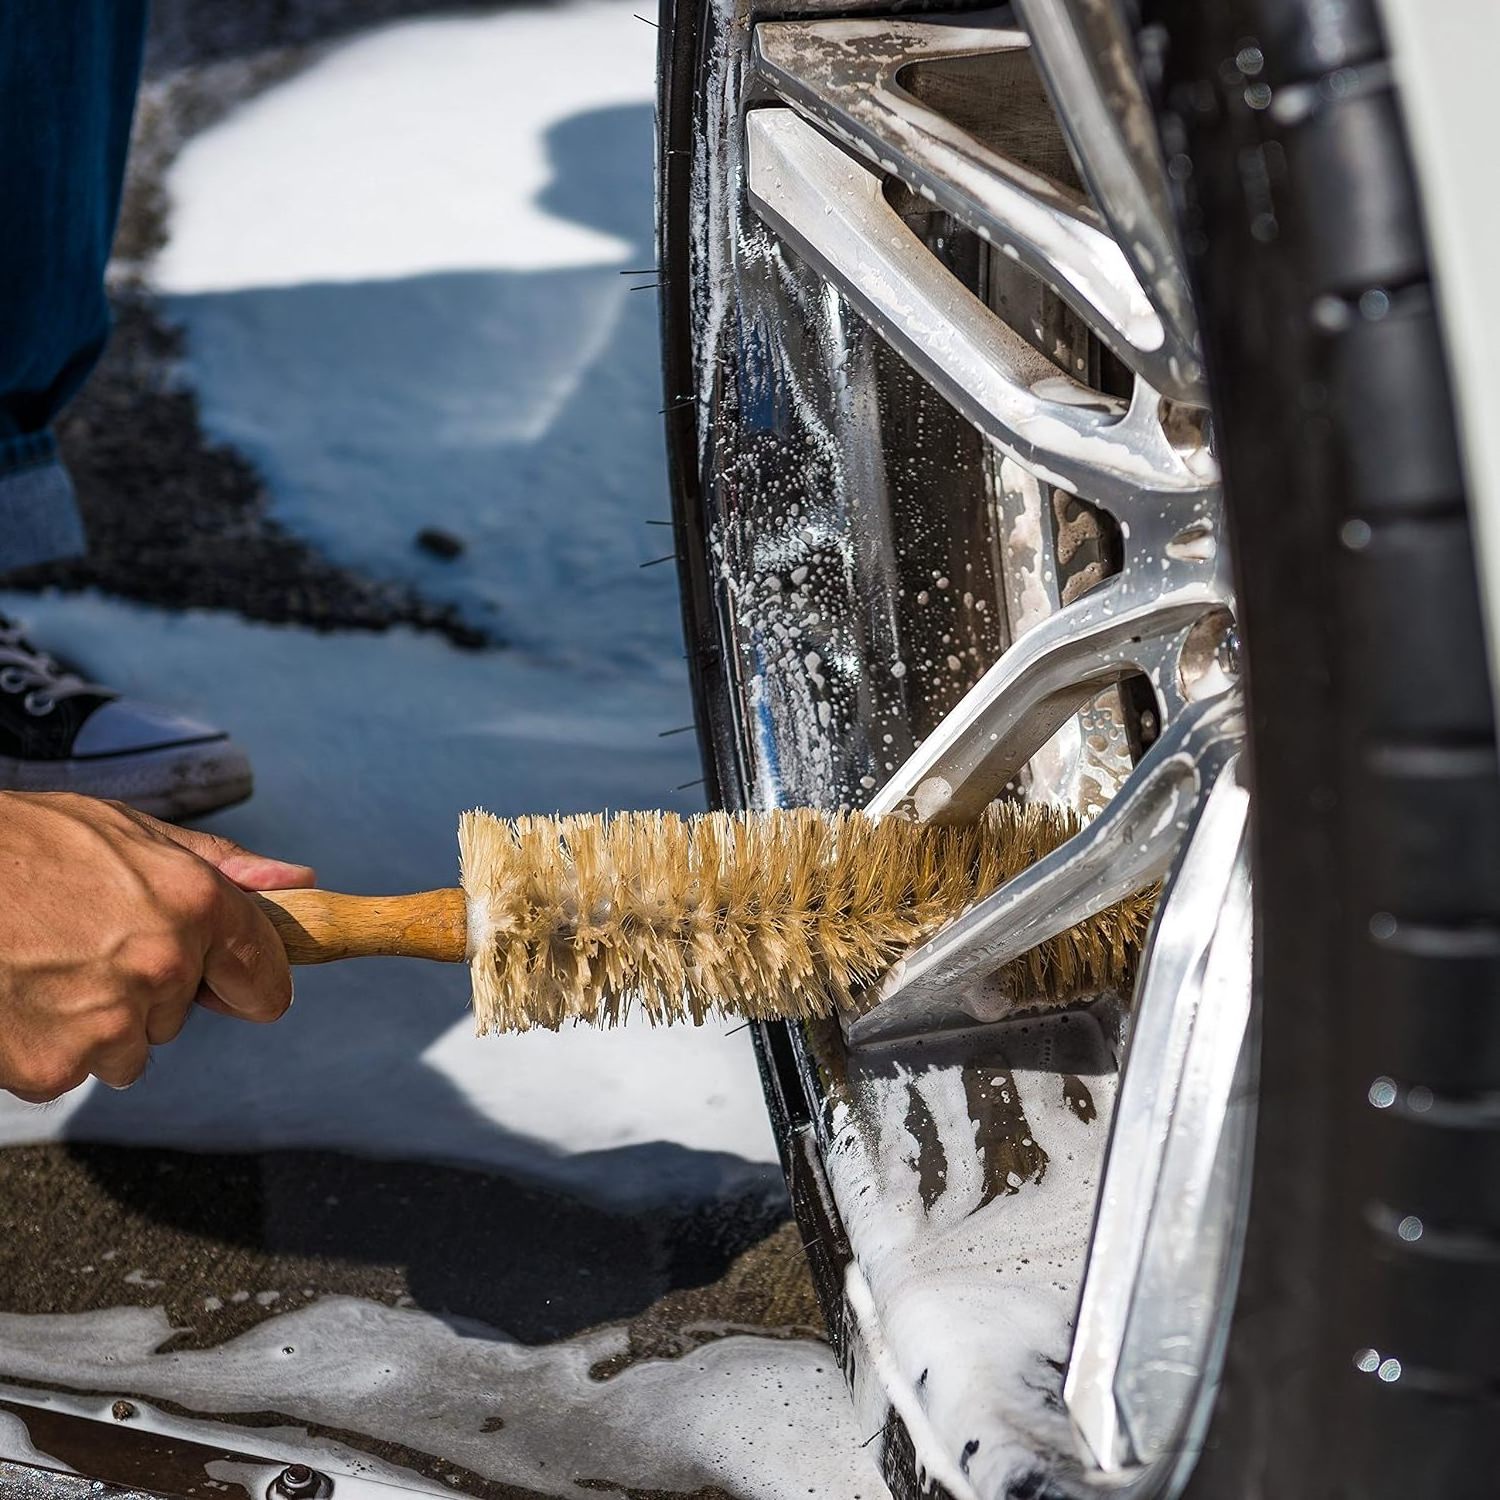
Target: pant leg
(68,76)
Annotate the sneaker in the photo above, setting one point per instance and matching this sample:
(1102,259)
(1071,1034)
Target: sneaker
(59,733)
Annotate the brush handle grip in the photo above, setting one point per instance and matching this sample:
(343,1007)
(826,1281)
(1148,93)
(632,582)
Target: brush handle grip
(319,927)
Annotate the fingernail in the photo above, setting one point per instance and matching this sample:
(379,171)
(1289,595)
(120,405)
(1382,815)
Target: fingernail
(256,870)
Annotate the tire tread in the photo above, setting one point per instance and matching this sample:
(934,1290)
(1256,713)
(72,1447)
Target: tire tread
(1376,771)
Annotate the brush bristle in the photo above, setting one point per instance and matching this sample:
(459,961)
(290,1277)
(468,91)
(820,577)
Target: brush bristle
(782,915)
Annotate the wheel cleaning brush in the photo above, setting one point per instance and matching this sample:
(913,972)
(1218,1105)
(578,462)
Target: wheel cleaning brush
(766,915)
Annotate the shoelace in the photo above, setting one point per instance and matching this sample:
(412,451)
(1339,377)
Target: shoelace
(24,669)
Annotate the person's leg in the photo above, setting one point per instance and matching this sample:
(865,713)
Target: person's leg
(68,75)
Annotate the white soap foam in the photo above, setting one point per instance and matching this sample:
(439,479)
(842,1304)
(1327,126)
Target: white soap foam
(967,1306)
(417,147)
(760,1418)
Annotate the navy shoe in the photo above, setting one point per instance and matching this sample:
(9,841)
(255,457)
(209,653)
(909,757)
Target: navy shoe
(59,733)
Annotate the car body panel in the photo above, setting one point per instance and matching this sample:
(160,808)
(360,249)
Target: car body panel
(1444,53)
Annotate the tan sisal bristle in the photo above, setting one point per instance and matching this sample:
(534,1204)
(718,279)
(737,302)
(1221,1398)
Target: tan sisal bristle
(764,915)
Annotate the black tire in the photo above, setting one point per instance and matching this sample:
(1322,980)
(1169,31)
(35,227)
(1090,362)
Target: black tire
(1375,1217)
(683,36)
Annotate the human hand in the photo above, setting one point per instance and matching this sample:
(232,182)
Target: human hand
(112,924)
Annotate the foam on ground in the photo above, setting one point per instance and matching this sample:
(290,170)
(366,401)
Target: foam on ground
(763,1419)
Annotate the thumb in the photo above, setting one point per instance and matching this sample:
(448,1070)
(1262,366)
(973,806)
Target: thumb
(251,872)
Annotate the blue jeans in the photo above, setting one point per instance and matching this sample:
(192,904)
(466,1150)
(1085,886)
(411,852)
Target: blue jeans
(68,74)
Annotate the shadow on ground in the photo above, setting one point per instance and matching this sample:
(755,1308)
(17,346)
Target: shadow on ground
(224,1241)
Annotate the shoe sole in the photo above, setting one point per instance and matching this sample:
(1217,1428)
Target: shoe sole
(174,782)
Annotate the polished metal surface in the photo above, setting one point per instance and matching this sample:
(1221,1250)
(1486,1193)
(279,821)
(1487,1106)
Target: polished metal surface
(838,488)
(833,211)
(1175,572)
(846,76)
(1167,1221)
(1088,759)
(1129,845)
(1086,54)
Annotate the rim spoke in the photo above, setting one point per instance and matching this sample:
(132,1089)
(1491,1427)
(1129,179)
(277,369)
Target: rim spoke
(845,75)
(1130,844)
(834,213)
(965,763)
(1086,762)
(1087,60)
(1173,574)
(1164,1238)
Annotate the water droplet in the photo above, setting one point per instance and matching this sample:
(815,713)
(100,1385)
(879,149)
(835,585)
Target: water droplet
(1330,313)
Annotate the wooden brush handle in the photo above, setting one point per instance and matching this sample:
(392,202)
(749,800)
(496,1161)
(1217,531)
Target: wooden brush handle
(318,927)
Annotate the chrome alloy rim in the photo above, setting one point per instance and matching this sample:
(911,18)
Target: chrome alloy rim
(833,127)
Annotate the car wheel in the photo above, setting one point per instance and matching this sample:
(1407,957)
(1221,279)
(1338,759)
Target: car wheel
(948,301)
